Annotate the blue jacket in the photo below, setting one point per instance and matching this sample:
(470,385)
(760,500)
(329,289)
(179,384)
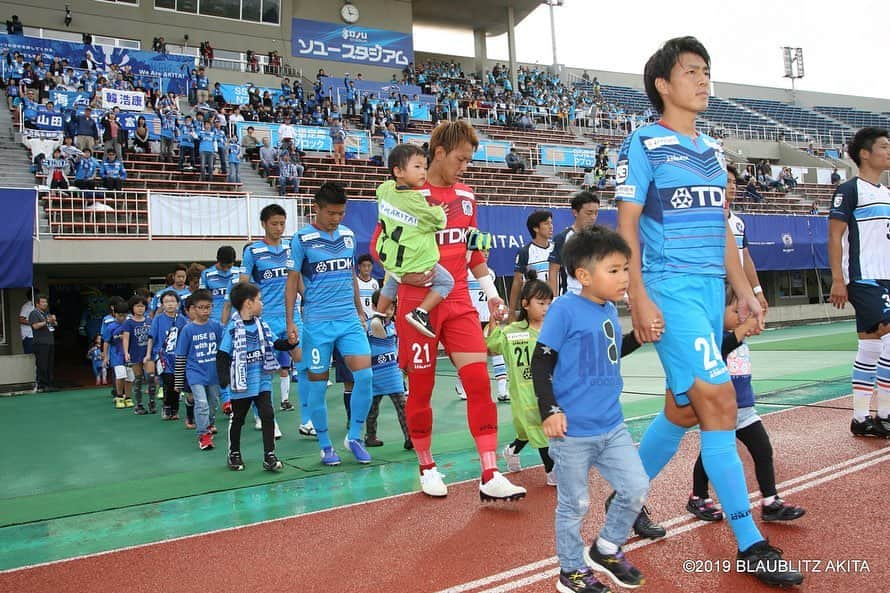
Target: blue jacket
(114,169)
(86,126)
(86,168)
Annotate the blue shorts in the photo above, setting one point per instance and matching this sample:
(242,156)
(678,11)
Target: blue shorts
(321,337)
(689,349)
(871,300)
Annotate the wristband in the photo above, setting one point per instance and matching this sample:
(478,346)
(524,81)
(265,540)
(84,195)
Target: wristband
(487,286)
(758,289)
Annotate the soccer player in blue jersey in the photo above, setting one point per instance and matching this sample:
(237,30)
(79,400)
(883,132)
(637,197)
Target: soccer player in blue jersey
(196,350)
(323,261)
(671,184)
(265,263)
(219,279)
(244,366)
(179,287)
(165,328)
(859,254)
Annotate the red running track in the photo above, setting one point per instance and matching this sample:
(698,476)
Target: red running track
(416,544)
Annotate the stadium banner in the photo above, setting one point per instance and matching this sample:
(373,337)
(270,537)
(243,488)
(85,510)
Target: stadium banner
(44,120)
(779,242)
(308,138)
(349,43)
(236,94)
(380,90)
(173,70)
(214,216)
(490,151)
(123,100)
(16,237)
(69,99)
(567,156)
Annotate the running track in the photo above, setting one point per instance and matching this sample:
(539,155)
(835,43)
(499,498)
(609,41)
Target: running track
(412,543)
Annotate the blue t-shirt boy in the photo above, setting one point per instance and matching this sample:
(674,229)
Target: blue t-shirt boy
(196,347)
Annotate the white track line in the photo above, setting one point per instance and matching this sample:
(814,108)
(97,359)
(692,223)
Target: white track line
(805,482)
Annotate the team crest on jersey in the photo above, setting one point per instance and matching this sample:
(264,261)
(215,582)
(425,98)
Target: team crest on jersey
(621,172)
(838,200)
(467,207)
(348,242)
(721,158)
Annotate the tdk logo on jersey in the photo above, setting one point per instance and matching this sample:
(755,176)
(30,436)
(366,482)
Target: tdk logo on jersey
(451,236)
(219,292)
(274,273)
(705,195)
(333,265)
(388,357)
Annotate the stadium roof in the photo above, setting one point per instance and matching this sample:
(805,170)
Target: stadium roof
(490,15)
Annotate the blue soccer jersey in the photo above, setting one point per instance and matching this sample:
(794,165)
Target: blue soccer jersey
(219,284)
(198,343)
(164,333)
(139,333)
(257,379)
(266,266)
(106,326)
(587,379)
(385,363)
(116,343)
(326,261)
(680,183)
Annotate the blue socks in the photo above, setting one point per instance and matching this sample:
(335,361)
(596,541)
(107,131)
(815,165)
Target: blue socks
(659,443)
(318,409)
(723,466)
(360,402)
(303,394)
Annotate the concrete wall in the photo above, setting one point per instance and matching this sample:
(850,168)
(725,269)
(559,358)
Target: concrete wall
(144,23)
(17,369)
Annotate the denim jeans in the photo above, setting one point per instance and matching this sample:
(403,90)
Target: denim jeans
(234,175)
(616,459)
(207,159)
(206,402)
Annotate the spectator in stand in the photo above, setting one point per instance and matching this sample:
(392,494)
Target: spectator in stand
(207,150)
(54,169)
(289,174)
(87,131)
(286,135)
(835,177)
(222,145)
(814,207)
(169,125)
(589,180)
(338,139)
(202,87)
(114,136)
(351,97)
(141,140)
(186,134)
(515,162)
(218,99)
(251,144)
(234,154)
(206,55)
(159,45)
(788,179)
(390,140)
(86,170)
(14,27)
(751,191)
(268,158)
(113,171)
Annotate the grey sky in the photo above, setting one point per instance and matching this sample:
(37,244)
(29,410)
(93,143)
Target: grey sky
(845,46)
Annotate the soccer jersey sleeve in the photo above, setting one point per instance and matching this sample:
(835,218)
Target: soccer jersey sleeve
(555,256)
(296,254)
(202,281)
(844,202)
(247,262)
(520,264)
(633,172)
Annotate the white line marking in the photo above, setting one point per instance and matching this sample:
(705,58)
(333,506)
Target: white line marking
(810,480)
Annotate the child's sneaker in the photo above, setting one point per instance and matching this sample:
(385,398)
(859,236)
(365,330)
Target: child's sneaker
(371,440)
(644,526)
(421,322)
(308,430)
(551,478)
(152,407)
(512,458)
(286,406)
(357,449)
(212,429)
(205,441)
(119,403)
(500,488)
(616,566)
(580,581)
(779,510)
(329,457)
(235,461)
(140,410)
(432,484)
(128,402)
(271,463)
(190,425)
(704,509)
(165,412)
(459,390)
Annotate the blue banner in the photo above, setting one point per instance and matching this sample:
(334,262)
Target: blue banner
(490,151)
(778,242)
(381,90)
(236,94)
(567,156)
(16,237)
(308,138)
(69,99)
(48,121)
(349,43)
(173,70)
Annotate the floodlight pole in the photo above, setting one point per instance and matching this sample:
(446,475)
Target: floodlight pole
(550,4)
